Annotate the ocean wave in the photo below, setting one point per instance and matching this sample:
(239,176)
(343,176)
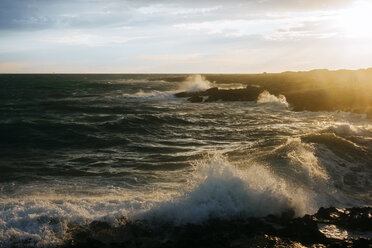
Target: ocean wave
(215,189)
(350,130)
(152,96)
(45,220)
(346,160)
(266,97)
(297,162)
(326,171)
(220,190)
(348,141)
(135,81)
(193,83)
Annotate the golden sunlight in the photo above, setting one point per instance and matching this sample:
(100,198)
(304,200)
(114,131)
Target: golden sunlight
(355,22)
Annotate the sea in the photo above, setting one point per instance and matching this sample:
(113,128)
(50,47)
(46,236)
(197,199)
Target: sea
(85,147)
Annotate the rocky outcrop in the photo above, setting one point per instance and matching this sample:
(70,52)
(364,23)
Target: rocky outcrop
(270,231)
(249,93)
(310,100)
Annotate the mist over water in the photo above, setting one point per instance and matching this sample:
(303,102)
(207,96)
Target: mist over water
(78,148)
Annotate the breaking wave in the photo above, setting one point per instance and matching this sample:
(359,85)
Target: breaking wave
(297,179)
(350,130)
(215,189)
(71,162)
(193,83)
(266,97)
(152,96)
(220,190)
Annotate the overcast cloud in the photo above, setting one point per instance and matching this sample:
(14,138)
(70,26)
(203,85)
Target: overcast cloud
(183,36)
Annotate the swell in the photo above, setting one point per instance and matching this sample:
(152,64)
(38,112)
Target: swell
(87,159)
(88,132)
(294,177)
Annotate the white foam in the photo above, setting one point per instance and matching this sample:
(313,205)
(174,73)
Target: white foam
(218,189)
(195,83)
(314,168)
(43,220)
(152,96)
(215,188)
(302,161)
(266,97)
(350,129)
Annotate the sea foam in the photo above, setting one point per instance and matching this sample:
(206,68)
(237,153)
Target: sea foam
(152,96)
(266,97)
(193,83)
(218,189)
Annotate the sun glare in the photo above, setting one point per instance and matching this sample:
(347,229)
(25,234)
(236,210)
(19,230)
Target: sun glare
(355,22)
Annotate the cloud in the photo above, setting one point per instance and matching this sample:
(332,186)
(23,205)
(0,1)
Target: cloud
(44,14)
(174,35)
(81,38)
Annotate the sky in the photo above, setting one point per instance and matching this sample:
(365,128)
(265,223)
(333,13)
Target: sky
(174,36)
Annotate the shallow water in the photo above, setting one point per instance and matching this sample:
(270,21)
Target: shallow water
(77,148)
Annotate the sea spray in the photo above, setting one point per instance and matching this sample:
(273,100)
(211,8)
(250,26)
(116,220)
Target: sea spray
(347,129)
(297,159)
(195,83)
(266,97)
(220,190)
(151,96)
(80,153)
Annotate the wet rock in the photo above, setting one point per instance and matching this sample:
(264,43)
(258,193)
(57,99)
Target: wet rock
(96,226)
(359,219)
(325,213)
(215,94)
(304,230)
(185,94)
(195,99)
(361,243)
(271,231)
(211,91)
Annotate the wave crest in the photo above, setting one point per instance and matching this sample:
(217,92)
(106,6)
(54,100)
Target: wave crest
(195,83)
(220,190)
(266,97)
(152,96)
(347,129)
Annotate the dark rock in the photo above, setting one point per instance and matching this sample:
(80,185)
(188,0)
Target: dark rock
(304,230)
(96,225)
(362,243)
(195,99)
(211,91)
(215,94)
(359,219)
(270,231)
(318,90)
(325,213)
(185,94)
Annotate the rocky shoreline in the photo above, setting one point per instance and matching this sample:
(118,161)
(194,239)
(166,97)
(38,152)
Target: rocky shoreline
(310,100)
(329,227)
(316,90)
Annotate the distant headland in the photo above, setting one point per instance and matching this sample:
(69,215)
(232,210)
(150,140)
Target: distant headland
(316,90)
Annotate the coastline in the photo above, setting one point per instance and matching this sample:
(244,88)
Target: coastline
(329,227)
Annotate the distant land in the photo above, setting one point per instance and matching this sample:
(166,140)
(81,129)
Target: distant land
(316,90)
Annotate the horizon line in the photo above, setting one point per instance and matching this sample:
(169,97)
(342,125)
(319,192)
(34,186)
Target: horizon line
(176,73)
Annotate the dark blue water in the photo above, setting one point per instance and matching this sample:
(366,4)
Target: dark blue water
(85,147)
